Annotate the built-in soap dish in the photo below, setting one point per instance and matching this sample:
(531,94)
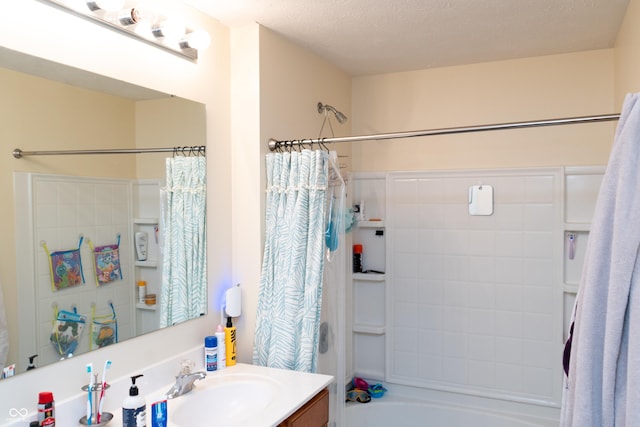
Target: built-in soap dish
(104,420)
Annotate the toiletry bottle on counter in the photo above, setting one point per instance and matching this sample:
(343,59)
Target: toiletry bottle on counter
(134,408)
(46,409)
(222,352)
(31,364)
(159,414)
(230,342)
(211,353)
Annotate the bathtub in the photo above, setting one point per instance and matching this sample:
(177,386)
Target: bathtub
(393,411)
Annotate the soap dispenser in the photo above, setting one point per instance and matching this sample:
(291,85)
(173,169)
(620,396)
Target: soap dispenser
(31,364)
(134,407)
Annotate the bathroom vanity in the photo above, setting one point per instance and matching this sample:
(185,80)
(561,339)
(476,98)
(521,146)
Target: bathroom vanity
(315,413)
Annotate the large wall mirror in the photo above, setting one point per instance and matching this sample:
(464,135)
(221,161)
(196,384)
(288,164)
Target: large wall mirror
(85,205)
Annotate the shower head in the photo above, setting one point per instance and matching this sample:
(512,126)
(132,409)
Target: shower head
(323,108)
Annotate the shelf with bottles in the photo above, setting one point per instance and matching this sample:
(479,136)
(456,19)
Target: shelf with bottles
(369,277)
(146,221)
(148,227)
(146,264)
(144,306)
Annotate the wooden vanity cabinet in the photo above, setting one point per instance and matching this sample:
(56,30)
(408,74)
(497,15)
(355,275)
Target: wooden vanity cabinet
(315,413)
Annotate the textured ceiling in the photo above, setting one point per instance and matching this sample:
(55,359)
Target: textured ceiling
(379,36)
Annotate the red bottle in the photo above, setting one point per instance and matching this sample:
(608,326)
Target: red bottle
(46,409)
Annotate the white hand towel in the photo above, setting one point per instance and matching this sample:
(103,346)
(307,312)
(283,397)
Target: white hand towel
(603,385)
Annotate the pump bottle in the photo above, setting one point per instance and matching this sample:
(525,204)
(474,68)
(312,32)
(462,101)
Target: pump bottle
(134,407)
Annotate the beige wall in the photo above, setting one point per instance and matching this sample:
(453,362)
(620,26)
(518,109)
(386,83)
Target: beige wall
(627,57)
(162,123)
(547,87)
(275,95)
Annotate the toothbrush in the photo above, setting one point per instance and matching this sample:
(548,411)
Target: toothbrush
(107,365)
(90,393)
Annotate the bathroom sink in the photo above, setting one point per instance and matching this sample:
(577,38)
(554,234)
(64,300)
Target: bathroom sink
(223,400)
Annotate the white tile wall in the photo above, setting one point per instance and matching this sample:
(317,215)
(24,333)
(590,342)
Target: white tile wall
(475,302)
(65,208)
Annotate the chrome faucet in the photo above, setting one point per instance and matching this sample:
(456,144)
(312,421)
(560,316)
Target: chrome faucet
(185,380)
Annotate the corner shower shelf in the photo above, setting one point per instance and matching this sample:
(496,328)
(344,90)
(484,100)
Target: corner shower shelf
(369,277)
(143,306)
(146,221)
(368,329)
(147,264)
(371,224)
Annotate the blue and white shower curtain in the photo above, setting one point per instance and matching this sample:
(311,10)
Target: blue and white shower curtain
(290,297)
(184,246)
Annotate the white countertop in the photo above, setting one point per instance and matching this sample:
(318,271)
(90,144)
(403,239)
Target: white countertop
(294,390)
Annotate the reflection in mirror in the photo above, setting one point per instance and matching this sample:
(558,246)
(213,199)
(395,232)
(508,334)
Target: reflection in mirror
(77,216)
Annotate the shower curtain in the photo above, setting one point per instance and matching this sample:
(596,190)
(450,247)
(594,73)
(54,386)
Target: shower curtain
(290,296)
(184,250)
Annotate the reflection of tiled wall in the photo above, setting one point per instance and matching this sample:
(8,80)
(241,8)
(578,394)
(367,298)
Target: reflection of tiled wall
(475,302)
(99,209)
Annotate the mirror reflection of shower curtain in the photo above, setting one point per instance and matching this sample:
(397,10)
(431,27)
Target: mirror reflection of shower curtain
(184,250)
(331,358)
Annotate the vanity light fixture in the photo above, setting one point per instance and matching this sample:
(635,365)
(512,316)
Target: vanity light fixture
(138,19)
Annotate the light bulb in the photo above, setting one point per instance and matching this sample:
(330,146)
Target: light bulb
(171,29)
(128,17)
(106,5)
(197,39)
(146,12)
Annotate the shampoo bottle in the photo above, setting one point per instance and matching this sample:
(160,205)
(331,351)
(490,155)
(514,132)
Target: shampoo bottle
(142,239)
(230,342)
(134,408)
(222,352)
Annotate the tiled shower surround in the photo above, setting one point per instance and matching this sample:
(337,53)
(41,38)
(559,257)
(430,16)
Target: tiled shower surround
(474,305)
(473,296)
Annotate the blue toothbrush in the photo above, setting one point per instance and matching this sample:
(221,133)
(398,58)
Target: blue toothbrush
(90,393)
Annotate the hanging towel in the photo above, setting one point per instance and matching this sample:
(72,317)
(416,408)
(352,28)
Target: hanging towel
(603,384)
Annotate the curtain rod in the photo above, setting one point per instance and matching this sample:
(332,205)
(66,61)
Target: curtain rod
(196,150)
(275,144)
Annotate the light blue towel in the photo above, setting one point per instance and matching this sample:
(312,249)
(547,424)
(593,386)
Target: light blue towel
(603,386)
